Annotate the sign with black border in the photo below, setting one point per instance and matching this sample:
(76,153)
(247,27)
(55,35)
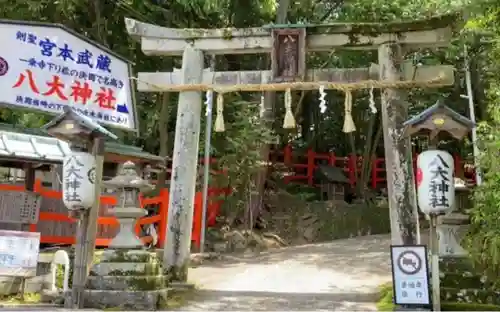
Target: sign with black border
(410,275)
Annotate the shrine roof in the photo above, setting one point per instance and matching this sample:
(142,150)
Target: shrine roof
(455,20)
(439,107)
(35,144)
(331,174)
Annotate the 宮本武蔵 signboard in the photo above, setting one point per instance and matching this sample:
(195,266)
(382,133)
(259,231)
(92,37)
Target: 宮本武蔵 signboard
(46,67)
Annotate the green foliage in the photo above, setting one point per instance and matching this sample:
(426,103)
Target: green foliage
(385,303)
(239,154)
(483,239)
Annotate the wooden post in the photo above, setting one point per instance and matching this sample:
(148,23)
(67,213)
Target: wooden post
(86,232)
(184,166)
(398,154)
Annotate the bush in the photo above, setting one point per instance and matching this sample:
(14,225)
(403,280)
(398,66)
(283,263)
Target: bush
(483,239)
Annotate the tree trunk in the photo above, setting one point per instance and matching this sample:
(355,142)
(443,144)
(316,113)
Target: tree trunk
(257,190)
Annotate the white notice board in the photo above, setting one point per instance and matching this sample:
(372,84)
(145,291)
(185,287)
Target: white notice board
(18,253)
(410,274)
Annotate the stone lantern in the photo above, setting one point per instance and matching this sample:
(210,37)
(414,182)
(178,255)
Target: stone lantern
(127,276)
(127,185)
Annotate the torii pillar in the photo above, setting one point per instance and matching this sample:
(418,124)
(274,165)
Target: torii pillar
(176,253)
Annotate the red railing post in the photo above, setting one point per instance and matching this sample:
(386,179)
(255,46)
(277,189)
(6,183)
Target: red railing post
(162,226)
(351,165)
(374,172)
(287,155)
(198,213)
(332,160)
(310,166)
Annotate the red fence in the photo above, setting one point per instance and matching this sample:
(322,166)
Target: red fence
(160,219)
(303,166)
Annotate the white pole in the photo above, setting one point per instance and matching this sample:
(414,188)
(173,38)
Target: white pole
(206,173)
(472,115)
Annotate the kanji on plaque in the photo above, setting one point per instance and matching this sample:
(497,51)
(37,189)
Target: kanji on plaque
(48,67)
(27,77)
(436,190)
(77,184)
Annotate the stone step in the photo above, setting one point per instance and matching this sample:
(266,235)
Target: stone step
(470,295)
(464,280)
(146,282)
(118,300)
(125,268)
(119,255)
(456,264)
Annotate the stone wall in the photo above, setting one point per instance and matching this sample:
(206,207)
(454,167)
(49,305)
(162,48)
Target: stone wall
(298,222)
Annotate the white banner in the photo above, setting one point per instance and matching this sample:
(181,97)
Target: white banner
(47,67)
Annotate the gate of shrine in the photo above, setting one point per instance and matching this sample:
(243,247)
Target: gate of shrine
(288,45)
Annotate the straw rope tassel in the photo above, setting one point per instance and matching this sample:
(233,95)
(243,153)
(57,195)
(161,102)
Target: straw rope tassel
(348,122)
(289,121)
(219,119)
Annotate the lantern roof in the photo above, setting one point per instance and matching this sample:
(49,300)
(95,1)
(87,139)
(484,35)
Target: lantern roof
(81,120)
(127,177)
(436,119)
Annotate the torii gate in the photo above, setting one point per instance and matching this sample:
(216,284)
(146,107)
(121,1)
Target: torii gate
(287,45)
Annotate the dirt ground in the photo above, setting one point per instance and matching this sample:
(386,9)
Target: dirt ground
(336,276)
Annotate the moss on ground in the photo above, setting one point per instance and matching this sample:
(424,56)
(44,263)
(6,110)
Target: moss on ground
(29,298)
(385,303)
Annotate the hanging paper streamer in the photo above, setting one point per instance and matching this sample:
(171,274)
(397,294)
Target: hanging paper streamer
(348,122)
(262,107)
(219,119)
(322,101)
(373,108)
(208,102)
(289,121)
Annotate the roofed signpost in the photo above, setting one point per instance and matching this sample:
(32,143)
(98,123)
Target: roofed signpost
(287,45)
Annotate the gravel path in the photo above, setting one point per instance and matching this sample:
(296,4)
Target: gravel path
(343,275)
(337,276)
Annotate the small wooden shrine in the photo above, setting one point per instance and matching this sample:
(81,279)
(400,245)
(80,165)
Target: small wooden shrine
(333,182)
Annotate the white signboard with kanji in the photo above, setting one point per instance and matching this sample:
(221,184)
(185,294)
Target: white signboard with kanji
(410,275)
(435,182)
(19,253)
(46,67)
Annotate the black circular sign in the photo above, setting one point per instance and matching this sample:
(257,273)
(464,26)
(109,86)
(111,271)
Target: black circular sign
(4,66)
(91,175)
(409,262)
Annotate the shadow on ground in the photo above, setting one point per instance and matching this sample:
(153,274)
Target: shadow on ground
(367,254)
(215,300)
